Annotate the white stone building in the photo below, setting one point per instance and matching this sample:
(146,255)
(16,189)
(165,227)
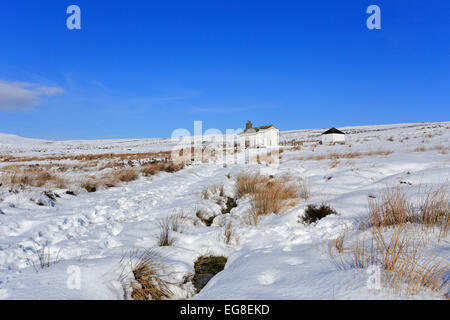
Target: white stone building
(259,137)
(332,136)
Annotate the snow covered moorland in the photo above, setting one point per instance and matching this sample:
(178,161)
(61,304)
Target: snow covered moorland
(118,219)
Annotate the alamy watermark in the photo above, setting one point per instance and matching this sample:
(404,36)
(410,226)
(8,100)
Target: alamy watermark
(374,21)
(73,22)
(374,280)
(235,146)
(74,279)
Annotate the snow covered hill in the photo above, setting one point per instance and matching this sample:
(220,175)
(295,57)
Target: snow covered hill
(45,249)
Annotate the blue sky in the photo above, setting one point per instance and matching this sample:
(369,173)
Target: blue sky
(144,68)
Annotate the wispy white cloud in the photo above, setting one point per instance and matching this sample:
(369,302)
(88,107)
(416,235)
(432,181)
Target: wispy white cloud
(22,95)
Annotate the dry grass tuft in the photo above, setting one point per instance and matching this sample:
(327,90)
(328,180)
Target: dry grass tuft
(90,185)
(125,175)
(165,227)
(268,158)
(393,207)
(159,166)
(270,196)
(214,190)
(250,219)
(151,169)
(334,164)
(246,183)
(176,221)
(20,177)
(435,209)
(148,271)
(338,243)
(267,194)
(441,149)
(229,234)
(44,258)
(303,189)
(402,258)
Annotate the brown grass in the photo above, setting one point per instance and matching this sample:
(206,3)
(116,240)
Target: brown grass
(151,169)
(91,157)
(303,189)
(348,155)
(338,243)
(176,221)
(213,190)
(270,196)
(148,271)
(268,158)
(267,194)
(125,175)
(435,209)
(164,237)
(155,167)
(90,185)
(393,207)
(246,183)
(296,142)
(109,180)
(334,163)
(19,176)
(441,149)
(402,257)
(112,165)
(229,235)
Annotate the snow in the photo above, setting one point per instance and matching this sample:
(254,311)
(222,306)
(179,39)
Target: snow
(279,258)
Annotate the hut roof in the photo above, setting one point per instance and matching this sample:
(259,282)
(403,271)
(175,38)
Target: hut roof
(333,130)
(256,129)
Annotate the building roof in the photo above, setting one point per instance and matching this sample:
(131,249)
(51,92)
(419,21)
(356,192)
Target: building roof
(256,129)
(333,130)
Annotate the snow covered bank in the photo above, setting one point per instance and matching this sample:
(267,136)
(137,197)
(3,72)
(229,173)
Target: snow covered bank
(280,258)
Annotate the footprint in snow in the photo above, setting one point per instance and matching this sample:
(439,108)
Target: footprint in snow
(3,294)
(114,229)
(294,261)
(267,278)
